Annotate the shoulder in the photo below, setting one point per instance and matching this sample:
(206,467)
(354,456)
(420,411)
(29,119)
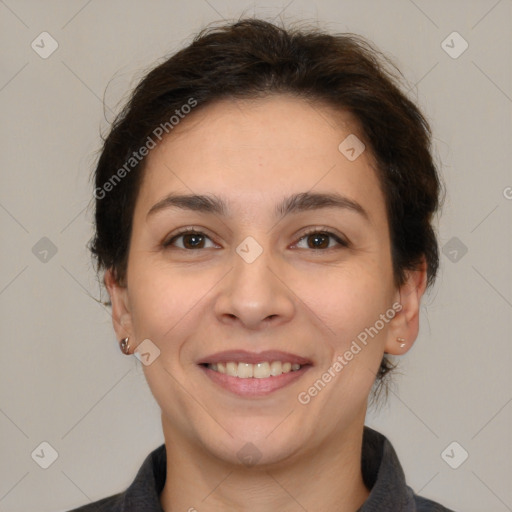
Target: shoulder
(384,476)
(426,505)
(142,494)
(109,504)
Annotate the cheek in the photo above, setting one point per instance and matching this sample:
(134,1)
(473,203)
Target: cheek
(168,302)
(346,300)
(350,303)
(159,299)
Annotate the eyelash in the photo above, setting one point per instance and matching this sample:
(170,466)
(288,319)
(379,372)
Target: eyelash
(324,231)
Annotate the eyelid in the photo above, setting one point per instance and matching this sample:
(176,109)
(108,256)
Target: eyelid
(340,239)
(184,231)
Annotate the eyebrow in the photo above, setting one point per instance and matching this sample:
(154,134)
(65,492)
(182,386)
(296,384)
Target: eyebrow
(296,203)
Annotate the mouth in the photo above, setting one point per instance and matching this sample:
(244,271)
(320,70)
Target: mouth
(261,370)
(254,374)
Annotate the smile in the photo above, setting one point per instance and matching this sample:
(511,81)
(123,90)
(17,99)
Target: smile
(254,374)
(262,370)
(251,374)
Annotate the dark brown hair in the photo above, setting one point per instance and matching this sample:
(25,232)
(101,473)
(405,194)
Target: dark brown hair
(252,58)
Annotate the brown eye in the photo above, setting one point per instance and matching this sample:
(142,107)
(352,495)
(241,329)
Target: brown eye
(317,239)
(191,240)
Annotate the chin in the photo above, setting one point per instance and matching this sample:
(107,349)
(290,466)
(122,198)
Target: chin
(250,454)
(255,443)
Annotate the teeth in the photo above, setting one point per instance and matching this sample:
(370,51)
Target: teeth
(261,370)
(245,370)
(231,369)
(276,368)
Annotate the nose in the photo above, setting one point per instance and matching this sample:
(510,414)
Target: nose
(255,294)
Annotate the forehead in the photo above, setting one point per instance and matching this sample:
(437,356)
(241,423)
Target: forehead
(275,121)
(255,149)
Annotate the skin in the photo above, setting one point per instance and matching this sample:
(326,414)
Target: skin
(294,297)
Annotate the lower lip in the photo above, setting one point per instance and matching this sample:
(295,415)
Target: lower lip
(252,386)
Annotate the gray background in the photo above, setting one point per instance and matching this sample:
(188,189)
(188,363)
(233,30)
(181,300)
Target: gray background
(64,380)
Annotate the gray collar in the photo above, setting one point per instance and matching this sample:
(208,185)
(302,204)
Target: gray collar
(382,473)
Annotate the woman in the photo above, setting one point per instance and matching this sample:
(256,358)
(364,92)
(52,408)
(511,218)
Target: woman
(264,211)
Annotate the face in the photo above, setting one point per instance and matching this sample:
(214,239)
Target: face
(297,293)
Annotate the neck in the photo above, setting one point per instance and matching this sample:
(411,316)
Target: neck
(328,478)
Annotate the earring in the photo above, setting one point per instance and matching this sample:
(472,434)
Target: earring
(125,346)
(401,341)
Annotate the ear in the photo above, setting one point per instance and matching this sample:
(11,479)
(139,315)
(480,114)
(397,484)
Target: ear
(405,324)
(121,315)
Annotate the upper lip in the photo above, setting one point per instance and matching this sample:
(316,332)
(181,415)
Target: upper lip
(243,356)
